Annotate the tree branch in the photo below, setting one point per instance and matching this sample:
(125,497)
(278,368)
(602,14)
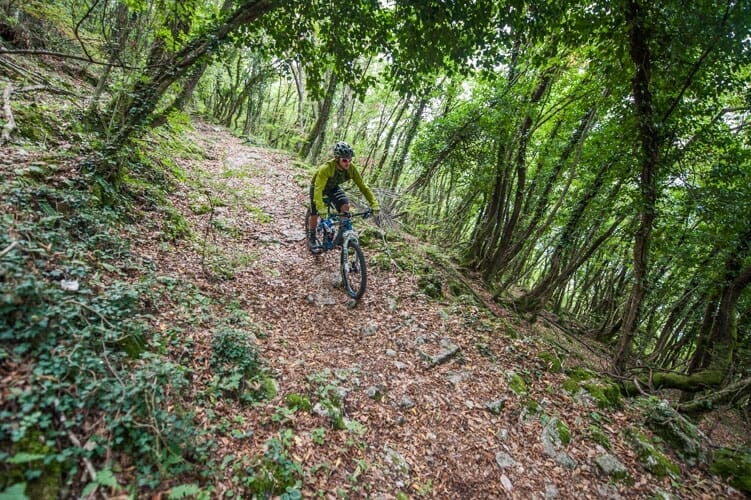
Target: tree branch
(80,22)
(65,56)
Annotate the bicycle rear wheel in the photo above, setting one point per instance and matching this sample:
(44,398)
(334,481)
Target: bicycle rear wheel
(354,274)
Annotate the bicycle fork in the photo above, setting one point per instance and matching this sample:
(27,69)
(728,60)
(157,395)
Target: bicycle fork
(347,236)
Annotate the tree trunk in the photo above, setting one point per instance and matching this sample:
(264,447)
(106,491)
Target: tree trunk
(311,148)
(397,164)
(399,109)
(734,394)
(649,143)
(120,31)
(494,237)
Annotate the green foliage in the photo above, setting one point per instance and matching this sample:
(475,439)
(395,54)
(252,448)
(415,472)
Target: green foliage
(564,432)
(275,473)
(298,402)
(238,371)
(32,462)
(597,435)
(86,341)
(318,436)
(552,361)
(516,383)
(734,466)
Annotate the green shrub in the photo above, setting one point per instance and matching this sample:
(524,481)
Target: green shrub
(84,339)
(238,372)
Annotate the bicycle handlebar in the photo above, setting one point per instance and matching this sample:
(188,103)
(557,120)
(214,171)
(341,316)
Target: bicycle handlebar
(366,213)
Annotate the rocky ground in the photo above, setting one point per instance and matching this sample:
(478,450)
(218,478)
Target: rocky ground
(430,401)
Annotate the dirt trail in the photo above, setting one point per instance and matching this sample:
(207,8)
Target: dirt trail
(423,430)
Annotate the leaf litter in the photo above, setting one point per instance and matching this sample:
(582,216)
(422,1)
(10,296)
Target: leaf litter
(414,427)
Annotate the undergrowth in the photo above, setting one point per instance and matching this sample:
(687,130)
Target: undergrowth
(98,384)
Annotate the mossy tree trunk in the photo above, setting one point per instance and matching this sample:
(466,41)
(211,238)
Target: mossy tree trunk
(649,156)
(735,394)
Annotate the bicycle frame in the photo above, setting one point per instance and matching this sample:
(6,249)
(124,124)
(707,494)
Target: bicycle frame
(336,231)
(344,233)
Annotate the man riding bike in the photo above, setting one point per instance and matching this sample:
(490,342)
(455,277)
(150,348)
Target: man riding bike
(326,182)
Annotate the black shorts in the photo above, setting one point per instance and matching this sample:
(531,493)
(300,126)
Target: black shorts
(335,195)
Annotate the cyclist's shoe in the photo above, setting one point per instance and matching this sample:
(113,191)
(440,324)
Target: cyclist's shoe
(313,245)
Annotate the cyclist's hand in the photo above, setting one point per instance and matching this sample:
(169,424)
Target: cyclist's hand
(345,215)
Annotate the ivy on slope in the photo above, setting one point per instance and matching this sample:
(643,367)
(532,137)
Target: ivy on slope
(87,383)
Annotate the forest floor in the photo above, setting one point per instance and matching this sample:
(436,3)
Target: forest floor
(410,427)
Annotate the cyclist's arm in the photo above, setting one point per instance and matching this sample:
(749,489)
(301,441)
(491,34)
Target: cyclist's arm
(321,177)
(364,189)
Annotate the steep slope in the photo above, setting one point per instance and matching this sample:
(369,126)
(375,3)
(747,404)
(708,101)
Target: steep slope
(476,424)
(423,388)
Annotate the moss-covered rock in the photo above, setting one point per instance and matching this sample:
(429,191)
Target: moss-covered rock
(677,431)
(579,374)
(735,467)
(516,383)
(552,362)
(650,457)
(431,285)
(564,432)
(605,392)
(612,467)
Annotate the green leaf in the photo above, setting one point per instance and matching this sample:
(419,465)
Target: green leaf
(14,492)
(184,491)
(88,490)
(25,458)
(106,478)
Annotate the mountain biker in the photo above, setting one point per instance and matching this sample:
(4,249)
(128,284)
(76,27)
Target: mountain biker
(326,182)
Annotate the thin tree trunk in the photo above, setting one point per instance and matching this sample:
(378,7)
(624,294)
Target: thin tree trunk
(397,165)
(649,158)
(312,146)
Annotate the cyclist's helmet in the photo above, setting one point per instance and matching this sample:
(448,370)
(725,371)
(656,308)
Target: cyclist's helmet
(343,150)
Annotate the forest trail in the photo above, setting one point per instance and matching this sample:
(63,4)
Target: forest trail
(410,426)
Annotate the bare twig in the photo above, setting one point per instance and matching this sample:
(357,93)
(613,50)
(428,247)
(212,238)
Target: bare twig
(9,65)
(77,443)
(8,248)
(78,25)
(46,88)
(208,230)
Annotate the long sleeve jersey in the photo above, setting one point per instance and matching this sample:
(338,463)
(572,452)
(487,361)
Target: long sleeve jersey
(327,176)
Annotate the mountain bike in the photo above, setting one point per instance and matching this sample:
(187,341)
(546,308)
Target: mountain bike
(336,231)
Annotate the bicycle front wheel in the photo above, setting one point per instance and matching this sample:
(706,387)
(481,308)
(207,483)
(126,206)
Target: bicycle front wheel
(354,275)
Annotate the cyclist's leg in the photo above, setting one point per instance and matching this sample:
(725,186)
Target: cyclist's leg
(313,211)
(339,199)
(313,244)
